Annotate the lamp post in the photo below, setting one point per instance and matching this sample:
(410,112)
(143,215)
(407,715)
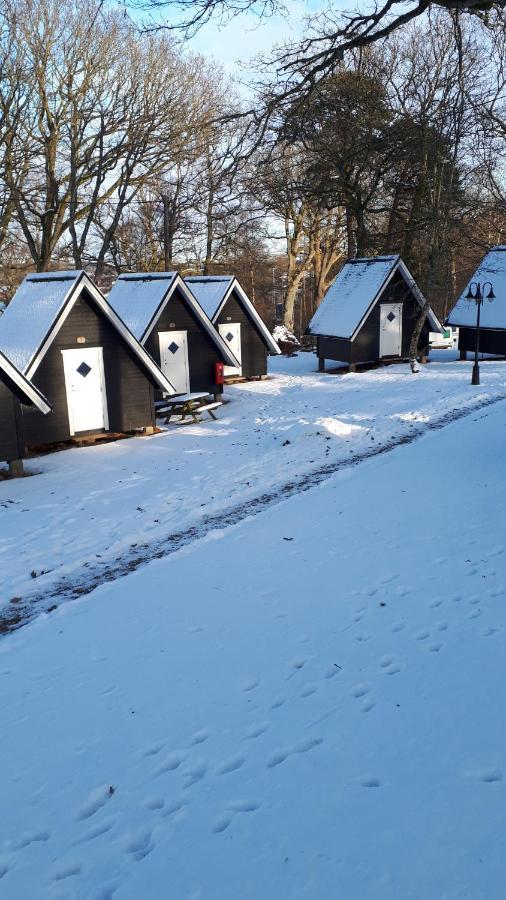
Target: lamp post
(476,292)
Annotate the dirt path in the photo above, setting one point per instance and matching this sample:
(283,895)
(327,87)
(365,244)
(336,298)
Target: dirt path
(22,610)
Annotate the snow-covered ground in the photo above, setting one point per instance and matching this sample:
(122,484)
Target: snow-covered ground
(308,704)
(92,506)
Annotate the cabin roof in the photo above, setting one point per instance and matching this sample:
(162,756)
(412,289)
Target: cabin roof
(140,298)
(354,291)
(27,392)
(31,312)
(493,315)
(39,307)
(210,290)
(137,297)
(213,291)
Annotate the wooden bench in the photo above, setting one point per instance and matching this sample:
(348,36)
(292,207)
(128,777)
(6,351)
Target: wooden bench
(186,408)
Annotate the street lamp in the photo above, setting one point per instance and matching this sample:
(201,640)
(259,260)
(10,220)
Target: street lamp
(476,292)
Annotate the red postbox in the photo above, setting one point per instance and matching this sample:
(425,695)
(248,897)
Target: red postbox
(219,373)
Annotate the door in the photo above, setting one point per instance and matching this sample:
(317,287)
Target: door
(390,329)
(85,385)
(231,333)
(174,359)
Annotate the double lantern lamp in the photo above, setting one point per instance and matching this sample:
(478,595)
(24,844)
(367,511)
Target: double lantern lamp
(476,292)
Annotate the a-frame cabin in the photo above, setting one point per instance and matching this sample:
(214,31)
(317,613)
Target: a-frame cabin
(369,314)
(238,322)
(62,335)
(16,391)
(165,317)
(492,269)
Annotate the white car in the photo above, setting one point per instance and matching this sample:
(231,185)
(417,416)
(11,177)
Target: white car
(445,341)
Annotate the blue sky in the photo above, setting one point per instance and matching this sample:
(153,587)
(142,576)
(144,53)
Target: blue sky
(245,36)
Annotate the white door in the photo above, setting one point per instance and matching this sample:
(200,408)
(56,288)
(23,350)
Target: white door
(174,359)
(390,329)
(85,384)
(231,333)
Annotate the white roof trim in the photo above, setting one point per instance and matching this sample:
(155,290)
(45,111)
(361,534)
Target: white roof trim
(246,302)
(84,280)
(401,267)
(32,393)
(216,338)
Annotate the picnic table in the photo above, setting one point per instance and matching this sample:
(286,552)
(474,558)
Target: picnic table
(186,406)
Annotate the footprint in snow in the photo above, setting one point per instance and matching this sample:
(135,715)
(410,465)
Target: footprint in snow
(95,832)
(302,747)
(488,632)
(385,661)
(226,818)
(140,844)
(255,730)
(200,736)
(367,705)
(172,762)
(369,781)
(393,669)
(360,690)
(66,870)
(250,685)
(308,690)
(397,626)
(487,776)
(32,837)
(96,800)
(230,765)
(422,635)
(435,647)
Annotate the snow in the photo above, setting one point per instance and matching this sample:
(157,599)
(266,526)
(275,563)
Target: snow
(493,314)
(90,507)
(354,291)
(306,706)
(282,333)
(210,290)
(137,297)
(31,313)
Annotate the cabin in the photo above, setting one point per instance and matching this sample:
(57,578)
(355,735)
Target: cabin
(162,313)
(369,313)
(15,391)
(492,314)
(62,335)
(237,321)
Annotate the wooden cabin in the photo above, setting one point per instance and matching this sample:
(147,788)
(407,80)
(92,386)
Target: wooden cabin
(238,322)
(492,314)
(16,391)
(165,317)
(369,313)
(62,335)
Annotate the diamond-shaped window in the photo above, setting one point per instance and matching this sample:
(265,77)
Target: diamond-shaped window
(173,347)
(84,369)
(229,336)
(390,317)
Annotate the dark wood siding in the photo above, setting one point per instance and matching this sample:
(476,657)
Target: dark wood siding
(202,352)
(11,442)
(129,391)
(334,348)
(253,346)
(491,340)
(366,345)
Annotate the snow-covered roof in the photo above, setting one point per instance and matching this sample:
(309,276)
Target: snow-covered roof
(140,298)
(29,393)
(31,313)
(354,291)
(136,297)
(38,309)
(493,315)
(210,290)
(213,291)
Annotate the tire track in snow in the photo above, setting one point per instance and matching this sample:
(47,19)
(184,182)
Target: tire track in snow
(25,610)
